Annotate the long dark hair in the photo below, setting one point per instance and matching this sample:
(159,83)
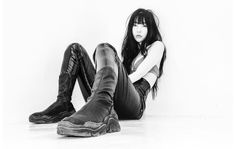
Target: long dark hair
(131,48)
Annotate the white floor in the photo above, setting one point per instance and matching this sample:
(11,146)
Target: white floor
(152,131)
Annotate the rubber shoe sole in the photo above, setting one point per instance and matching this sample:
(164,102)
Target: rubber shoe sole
(89,129)
(45,119)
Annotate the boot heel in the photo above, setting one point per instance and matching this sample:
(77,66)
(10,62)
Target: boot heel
(113,125)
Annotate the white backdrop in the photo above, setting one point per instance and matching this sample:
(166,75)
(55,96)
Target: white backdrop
(197,78)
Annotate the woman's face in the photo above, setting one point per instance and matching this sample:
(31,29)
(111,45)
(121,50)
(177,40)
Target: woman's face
(139,32)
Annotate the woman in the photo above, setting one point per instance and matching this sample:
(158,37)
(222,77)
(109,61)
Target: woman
(113,88)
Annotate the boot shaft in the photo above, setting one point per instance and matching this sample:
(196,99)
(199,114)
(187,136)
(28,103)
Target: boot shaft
(69,71)
(65,86)
(104,84)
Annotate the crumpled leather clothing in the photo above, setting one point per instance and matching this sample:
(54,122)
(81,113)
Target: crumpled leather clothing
(129,98)
(100,102)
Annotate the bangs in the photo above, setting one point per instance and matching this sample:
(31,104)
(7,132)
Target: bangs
(140,19)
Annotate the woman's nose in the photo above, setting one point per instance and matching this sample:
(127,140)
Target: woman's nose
(138,29)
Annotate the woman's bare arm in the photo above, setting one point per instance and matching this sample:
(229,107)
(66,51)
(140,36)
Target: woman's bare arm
(153,58)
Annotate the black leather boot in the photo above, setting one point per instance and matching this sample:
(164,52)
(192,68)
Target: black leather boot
(98,115)
(62,107)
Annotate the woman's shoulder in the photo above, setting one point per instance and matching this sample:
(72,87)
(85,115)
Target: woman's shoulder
(156,45)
